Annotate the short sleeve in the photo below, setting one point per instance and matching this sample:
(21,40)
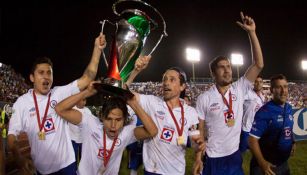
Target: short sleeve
(15,125)
(260,124)
(201,106)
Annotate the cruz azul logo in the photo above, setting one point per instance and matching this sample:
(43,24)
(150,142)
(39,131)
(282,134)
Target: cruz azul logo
(167,135)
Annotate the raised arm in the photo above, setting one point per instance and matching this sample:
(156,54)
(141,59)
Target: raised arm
(249,26)
(65,108)
(149,128)
(140,64)
(91,69)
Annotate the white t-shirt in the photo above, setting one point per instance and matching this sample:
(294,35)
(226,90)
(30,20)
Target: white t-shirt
(75,130)
(92,147)
(222,139)
(56,152)
(161,154)
(252,103)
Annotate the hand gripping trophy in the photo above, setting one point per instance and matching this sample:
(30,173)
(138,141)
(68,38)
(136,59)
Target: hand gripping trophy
(130,36)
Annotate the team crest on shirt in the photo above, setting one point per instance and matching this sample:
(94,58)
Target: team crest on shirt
(49,126)
(100,153)
(167,135)
(53,103)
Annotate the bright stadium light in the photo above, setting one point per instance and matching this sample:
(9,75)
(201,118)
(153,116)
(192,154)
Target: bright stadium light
(304,64)
(193,55)
(237,60)
(0,64)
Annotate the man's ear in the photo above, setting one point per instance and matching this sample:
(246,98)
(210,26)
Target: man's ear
(32,78)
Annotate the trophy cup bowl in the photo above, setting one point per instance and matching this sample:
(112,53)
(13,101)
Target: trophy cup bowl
(129,39)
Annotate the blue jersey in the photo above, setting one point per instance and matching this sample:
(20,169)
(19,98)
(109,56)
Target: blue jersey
(273,124)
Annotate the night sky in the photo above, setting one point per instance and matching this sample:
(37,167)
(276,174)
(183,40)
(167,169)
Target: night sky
(65,32)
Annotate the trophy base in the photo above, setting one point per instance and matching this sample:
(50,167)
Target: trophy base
(105,91)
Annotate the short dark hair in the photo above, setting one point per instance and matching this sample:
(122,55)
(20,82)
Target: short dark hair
(214,62)
(277,77)
(41,60)
(113,103)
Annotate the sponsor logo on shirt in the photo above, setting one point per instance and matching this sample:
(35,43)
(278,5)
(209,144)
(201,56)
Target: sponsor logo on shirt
(214,107)
(32,109)
(280,118)
(49,126)
(32,114)
(167,135)
(53,103)
(160,114)
(95,136)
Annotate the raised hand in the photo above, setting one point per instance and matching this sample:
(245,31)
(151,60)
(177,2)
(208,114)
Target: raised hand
(141,63)
(247,23)
(100,41)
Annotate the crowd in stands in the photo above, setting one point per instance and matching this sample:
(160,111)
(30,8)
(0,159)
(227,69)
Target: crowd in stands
(297,91)
(12,84)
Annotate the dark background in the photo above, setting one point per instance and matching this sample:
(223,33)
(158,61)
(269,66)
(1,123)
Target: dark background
(65,31)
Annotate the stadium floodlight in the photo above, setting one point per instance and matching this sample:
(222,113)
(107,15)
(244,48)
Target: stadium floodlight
(304,64)
(193,55)
(0,64)
(237,60)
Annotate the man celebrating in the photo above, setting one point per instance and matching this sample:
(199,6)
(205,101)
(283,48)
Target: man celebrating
(51,148)
(221,108)
(271,137)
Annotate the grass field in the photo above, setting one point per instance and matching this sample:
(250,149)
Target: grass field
(298,163)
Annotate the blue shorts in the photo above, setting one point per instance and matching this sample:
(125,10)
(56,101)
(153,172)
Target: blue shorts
(135,155)
(244,141)
(78,150)
(69,170)
(228,165)
(149,173)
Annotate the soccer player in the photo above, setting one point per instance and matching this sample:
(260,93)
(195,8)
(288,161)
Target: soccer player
(164,154)
(221,108)
(271,137)
(105,138)
(254,100)
(33,113)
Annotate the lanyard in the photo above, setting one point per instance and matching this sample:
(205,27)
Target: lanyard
(40,125)
(180,130)
(229,105)
(105,157)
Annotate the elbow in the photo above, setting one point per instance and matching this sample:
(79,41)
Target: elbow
(58,111)
(154,131)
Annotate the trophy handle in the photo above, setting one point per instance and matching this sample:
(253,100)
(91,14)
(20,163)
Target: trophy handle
(164,34)
(102,27)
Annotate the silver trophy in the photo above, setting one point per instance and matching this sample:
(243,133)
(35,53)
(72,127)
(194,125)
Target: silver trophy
(129,39)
